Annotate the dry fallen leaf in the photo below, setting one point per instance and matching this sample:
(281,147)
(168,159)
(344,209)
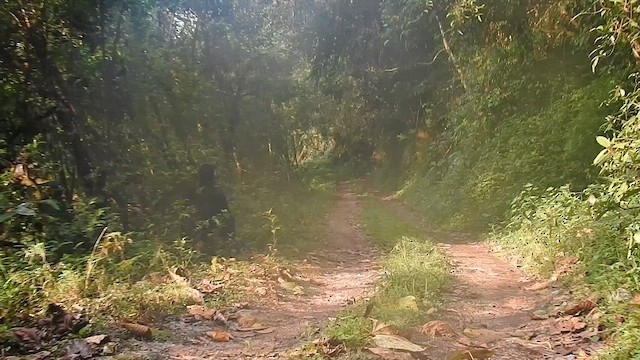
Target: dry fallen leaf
(581,308)
(191,293)
(484,335)
(437,329)
(78,350)
(173,274)
(207,286)
(219,335)
(570,324)
(201,312)
(471,354)
(27,335)
(396,343)
(140,331)
(97,339)
(387,354)
(380,328)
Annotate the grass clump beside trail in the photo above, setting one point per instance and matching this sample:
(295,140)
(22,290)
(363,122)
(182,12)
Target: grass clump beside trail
(384,227)
(548,226)
(416,273)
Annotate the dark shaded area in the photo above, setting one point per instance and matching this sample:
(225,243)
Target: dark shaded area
(215,222)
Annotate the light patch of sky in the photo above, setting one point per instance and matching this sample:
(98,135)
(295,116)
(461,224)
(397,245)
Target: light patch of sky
(183,20)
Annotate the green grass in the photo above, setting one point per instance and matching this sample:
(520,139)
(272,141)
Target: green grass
(415,266)
(289,213)
(383,227)
(350,328)
(118,288)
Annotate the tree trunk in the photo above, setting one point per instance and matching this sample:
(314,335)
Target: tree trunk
(451,55)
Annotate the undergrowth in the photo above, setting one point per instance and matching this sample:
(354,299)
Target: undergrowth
(556,223)
(289,213)
(127,276)
(383,227)
(472,188)
(416,270)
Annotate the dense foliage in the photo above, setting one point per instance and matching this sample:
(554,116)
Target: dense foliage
(108,110)
(473,107)
(114,105)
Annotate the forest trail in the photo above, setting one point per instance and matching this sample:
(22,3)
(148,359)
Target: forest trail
(491,305)
(343,272)
(488,305)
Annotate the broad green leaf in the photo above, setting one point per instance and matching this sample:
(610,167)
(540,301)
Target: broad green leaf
(408,303)
(6,216)
(54,204)
(24,210)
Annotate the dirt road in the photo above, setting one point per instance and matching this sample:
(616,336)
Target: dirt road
(488,306)
(494,305)
(340,274)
